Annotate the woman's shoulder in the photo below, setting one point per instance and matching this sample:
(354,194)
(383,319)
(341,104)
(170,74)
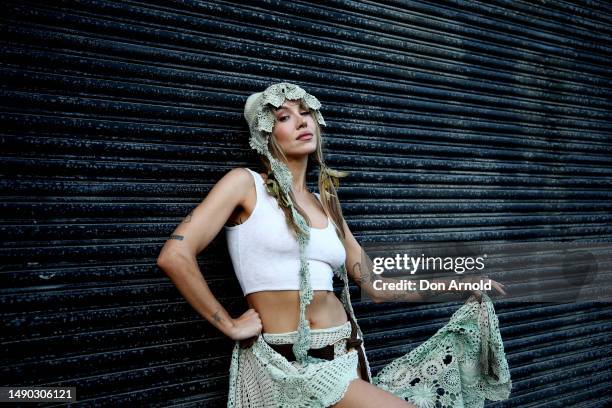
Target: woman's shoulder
(241,177)
(237,178)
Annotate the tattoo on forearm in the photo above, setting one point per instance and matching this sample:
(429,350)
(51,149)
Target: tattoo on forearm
(217,318)
(369,274)
(188,217)
(220,321)
(177,237)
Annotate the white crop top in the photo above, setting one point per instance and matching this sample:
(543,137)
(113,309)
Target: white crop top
(265,254)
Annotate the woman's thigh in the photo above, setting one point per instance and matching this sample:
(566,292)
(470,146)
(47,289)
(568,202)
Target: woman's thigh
(362,394)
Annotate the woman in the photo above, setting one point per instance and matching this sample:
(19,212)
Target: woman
(298,344)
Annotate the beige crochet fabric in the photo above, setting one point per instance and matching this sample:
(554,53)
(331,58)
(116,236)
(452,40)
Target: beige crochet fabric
(461,365)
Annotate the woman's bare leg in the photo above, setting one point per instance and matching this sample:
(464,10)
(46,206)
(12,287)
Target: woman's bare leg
(362,394)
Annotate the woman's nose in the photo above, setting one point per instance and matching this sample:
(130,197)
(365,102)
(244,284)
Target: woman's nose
(302,123)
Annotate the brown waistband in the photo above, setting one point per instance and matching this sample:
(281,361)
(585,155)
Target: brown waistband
(286,350)
(327,352)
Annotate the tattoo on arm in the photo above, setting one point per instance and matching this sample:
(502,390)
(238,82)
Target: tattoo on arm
(188,217)
(217,318)
(177,237)
(357,276)
(364,276)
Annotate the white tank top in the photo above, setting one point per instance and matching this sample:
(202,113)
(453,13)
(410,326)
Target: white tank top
(265,254)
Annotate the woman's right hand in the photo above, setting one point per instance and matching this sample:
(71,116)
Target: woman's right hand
(246,326)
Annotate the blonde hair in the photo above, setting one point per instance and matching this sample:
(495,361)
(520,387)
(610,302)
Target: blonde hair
(326,184)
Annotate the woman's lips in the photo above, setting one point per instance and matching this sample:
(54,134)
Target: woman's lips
(305,137)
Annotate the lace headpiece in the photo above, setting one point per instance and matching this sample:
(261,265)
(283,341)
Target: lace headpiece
(260,117)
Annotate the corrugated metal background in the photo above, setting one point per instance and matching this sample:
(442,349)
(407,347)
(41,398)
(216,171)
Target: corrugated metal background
(459,120)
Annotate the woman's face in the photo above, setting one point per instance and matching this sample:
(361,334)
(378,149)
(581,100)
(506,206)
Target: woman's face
(294,129)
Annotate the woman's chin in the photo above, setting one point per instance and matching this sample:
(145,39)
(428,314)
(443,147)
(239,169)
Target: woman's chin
(302,151)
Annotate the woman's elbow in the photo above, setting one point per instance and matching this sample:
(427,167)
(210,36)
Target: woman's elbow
(377,298)
(164,262)
(170,262)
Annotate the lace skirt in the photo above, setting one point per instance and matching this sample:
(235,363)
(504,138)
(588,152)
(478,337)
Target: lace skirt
(261,377)
(461,365)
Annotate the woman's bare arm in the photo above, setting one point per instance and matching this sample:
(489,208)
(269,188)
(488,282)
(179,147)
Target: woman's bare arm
(178,256)
(359,267)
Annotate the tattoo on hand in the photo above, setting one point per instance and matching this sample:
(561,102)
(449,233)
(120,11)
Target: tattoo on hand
(177,237)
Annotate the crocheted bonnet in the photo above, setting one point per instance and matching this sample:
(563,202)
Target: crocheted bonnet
(259,114)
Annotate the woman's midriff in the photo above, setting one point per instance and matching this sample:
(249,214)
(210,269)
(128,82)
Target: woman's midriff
(279,310)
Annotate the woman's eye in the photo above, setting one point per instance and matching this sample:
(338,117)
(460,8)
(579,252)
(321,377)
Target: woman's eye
(283,117)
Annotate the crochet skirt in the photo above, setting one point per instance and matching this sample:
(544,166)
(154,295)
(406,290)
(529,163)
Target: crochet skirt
(461,365)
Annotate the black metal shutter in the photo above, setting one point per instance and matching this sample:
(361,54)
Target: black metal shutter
(458,120)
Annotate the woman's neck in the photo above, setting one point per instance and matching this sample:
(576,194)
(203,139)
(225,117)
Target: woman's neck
(298,172)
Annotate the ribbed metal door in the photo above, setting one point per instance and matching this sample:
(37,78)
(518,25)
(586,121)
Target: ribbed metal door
(457,120)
